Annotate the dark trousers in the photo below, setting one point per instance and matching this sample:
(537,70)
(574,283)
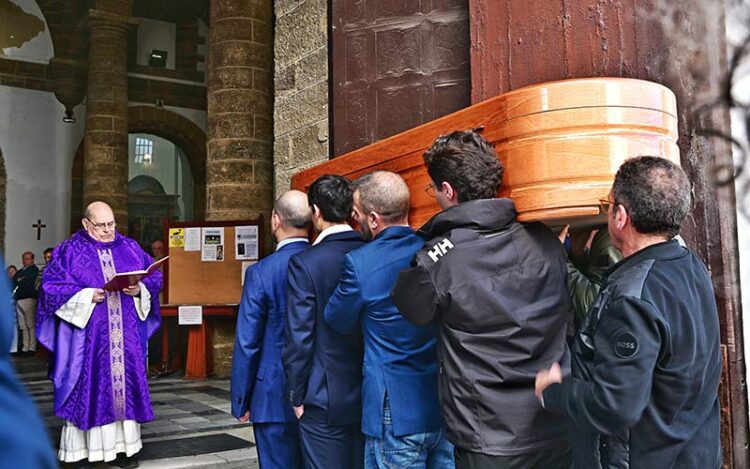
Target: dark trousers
(327,446)
(278,445)
(553,457)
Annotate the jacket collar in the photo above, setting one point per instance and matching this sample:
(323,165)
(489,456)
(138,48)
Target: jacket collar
(289,241)
(393,232)
(331,230)
(340,236)
(661,251)
(481,215)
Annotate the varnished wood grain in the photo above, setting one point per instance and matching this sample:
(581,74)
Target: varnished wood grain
(560,142)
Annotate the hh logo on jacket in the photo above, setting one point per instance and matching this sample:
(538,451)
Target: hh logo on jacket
(440,249)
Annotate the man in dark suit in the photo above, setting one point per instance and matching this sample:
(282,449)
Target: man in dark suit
(323,367)
(258,383)
(400,408)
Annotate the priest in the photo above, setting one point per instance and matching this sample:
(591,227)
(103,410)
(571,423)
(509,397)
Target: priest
(98,339)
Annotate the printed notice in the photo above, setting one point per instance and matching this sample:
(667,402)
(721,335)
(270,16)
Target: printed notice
(176,237)
(245,265)
(212,248)
(190,315)
(192,239)
(246,242)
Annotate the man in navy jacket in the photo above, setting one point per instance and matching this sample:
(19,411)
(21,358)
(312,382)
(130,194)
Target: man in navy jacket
(258,383)
(323,367)
(647,359)
(400,408)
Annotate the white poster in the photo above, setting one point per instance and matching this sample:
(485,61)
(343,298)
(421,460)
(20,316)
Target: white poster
(212,248)
(246,242)
(190,315)
(192,239)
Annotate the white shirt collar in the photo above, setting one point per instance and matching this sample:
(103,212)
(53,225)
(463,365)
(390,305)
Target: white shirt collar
(333,229)
(289,241)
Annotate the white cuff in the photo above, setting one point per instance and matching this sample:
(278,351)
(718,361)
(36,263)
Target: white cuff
(143,303)
(78,309)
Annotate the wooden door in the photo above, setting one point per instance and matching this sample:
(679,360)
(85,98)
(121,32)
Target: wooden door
(395,64)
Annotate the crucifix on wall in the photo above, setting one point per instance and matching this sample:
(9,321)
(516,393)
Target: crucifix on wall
(38,225)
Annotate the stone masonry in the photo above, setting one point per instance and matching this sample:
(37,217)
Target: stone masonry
(239,170)
(240,129)
(105,169)
(301,85)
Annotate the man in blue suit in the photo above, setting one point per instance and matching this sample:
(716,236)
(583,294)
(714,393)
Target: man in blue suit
(258,384)
(323,367)
(400,408)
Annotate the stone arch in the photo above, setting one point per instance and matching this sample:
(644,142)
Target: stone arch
(168,125)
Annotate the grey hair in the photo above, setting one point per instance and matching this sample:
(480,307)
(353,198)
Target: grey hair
(384,193)
(655,192)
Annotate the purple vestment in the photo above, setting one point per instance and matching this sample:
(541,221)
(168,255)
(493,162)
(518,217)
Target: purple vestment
(99,372)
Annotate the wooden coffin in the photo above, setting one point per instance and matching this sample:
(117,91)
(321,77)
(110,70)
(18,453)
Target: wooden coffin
(560,142)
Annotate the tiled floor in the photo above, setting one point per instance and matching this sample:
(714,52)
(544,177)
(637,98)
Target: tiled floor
(193,426)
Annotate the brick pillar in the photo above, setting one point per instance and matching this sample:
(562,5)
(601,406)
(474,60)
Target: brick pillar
(105,167)
(240,129)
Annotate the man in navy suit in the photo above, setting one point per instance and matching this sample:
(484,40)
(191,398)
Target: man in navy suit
(323,367)
(400,408)
(258,383)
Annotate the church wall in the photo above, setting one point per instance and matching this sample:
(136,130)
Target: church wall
(301,88)
(38,149)
(25,25)
(156,35)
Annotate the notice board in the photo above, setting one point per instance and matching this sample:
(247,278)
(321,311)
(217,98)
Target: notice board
(211,272)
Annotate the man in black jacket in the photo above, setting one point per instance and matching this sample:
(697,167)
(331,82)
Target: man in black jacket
(497,291)
(646,362)
(26,296)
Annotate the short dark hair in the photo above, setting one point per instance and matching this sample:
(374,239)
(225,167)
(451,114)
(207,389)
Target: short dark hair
(48,250)
(333,196)
(655,192)
(467,162)
(383,192)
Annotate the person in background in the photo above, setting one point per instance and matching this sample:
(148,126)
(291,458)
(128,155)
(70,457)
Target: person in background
(400,406)
(11,271)
(157,249)
(590,254)
(647,359)
(47,259)
(26,296)
(258,386)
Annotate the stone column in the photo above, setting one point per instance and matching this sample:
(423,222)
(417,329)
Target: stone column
(239,168)
(105,167)
(240,128)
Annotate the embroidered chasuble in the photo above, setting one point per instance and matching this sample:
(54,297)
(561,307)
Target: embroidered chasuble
(99,353)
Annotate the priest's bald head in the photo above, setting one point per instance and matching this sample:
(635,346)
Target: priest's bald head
(99,221)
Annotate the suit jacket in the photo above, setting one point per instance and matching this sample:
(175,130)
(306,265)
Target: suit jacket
(323,367)
(258,380)
(400,358)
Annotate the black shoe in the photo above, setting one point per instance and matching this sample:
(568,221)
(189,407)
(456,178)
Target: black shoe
(125,462)
(83,464)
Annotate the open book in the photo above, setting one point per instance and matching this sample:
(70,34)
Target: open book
(125,279)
